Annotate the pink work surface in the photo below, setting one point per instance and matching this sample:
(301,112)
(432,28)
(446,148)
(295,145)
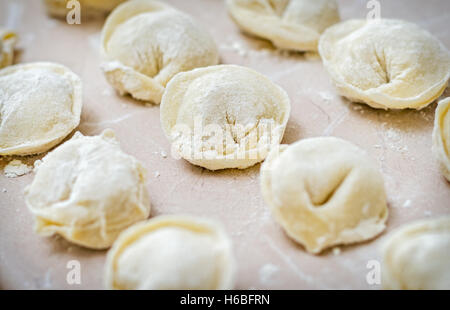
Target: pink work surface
(398,141)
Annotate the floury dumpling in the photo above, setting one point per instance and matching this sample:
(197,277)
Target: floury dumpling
(8,40)
(224,116)
(288,24)
(441,136)
(40,105)
(385,63)
(324,192)
(171,252)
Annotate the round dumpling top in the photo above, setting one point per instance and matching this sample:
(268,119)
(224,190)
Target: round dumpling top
(8,40)
(324,192)
(288,24)
(145,43)
(58,8)
(441,136)
(224,116)
(417,256)
(171,252)
(88,190)
(40,104)
(389,64)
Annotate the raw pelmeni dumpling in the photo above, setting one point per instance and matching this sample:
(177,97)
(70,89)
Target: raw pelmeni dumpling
(388,64)
(441,136)
(145,43)
(88,190)
(171,252)
(89,8)
(288,24)
(417,255)
(40,104)
(8,40)
(224,116)
(324,192)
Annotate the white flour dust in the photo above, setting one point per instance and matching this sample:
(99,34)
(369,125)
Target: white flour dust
(16,168)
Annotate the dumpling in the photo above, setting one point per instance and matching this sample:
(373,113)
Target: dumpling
(288,24)
(171,252)
(145,43)
(89,8)
(417,255)
(388,64)
(223,116)
(40,105)
(8,40)
(324,192)
(88,190)
(441,136)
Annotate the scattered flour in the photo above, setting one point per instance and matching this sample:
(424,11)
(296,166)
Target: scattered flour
(267,272)
(26,40)
(312,55)
(16,168)
(393,134)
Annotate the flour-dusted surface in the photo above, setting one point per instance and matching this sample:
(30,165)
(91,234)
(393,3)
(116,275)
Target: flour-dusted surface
(399,142)
(15,168)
